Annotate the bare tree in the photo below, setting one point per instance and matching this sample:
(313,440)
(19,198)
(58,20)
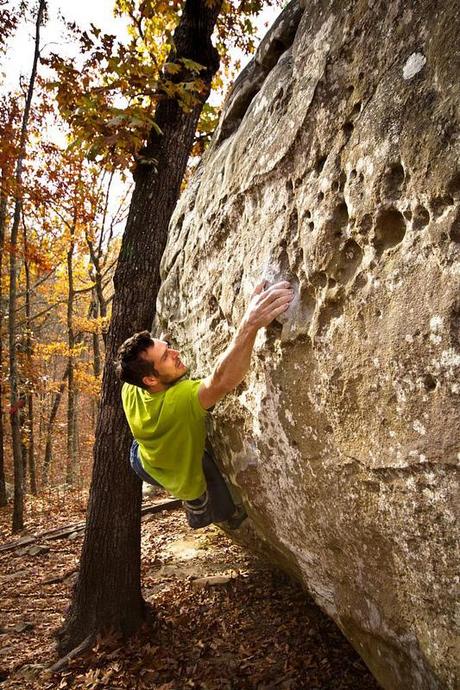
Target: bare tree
(72,454)
(3,210)
(29,446)
(18,510)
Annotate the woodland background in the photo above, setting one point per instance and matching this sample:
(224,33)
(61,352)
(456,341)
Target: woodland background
(71,130)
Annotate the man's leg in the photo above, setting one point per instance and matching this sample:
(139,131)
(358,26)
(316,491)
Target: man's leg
(223,509)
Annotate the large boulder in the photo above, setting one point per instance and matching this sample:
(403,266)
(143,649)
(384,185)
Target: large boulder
(335,165)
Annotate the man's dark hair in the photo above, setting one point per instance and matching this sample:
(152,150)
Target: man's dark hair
(130,366)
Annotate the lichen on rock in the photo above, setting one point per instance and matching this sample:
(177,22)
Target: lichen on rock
(335,165)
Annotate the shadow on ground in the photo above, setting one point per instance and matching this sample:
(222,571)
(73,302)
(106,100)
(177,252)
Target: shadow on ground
(222,620)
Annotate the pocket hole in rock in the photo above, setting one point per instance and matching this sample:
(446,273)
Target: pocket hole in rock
(320,165)
(454,232)
(361,280)
(454,185)
(319,279)
(331,310)
(293,222)
(348,128)
(421,217)
(429,382)
(393,180)
(307,304)
(439,204)
(350,259)
(365,224)
(390,230)
(340,216)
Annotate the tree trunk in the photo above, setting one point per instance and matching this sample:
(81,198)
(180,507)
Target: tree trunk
(3,208)
(18,509)
(107,593)
(31,446)
(53,414)
(49,427)
(29,456)
(97,360)
(72,455)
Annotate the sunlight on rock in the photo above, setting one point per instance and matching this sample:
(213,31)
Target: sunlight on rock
(183,550)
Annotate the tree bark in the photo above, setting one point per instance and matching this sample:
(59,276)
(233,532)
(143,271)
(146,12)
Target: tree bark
(29,446)
(97,360)
(72,456)
(107,593)
(98,300)
(97,357)
(18,508)
(3,208)
(49,427)
(53,414)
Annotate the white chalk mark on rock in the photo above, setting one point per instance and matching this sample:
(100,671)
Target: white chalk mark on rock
(414,64)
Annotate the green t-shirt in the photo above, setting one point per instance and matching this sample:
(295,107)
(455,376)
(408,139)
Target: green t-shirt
(170,429)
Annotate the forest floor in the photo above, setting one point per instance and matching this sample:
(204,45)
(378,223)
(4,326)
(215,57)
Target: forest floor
(224,619)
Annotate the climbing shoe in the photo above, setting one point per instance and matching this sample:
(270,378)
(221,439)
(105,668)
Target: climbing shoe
(237,518)
(198,512)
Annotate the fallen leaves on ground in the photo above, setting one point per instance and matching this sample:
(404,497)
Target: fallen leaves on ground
(223,620)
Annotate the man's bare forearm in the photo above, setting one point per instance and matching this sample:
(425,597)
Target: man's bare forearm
(264,307)
(233,364)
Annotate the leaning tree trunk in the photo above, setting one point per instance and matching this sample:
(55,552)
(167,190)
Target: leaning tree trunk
(18,508)
(107,593)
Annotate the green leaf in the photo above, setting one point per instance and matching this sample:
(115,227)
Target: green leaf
(157,129)
(117,120)
(172,67)
(92,152)
(192,65)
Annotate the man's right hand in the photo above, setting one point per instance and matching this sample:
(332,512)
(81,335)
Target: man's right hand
(267,304)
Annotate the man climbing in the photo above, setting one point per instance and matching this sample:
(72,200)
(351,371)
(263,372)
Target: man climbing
(166,413)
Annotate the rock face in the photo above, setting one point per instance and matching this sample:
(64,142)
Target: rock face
(335,165)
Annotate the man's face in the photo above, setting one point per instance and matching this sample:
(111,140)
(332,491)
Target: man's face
(166,361)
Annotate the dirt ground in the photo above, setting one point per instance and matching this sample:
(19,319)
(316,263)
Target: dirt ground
(224,621)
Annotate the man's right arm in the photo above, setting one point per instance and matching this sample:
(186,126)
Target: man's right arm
(264,307)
